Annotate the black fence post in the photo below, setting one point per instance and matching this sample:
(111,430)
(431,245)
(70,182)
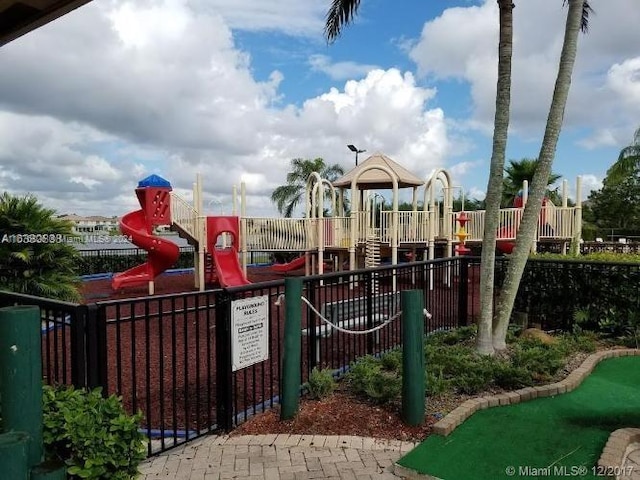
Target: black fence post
(78,352)
(224,372)
(463,291)
(312,321)
(370,278)
(96,344)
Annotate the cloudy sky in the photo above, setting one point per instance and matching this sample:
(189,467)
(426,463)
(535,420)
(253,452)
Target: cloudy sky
(235,89)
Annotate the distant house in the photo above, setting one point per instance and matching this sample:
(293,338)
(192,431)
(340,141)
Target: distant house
(92,224)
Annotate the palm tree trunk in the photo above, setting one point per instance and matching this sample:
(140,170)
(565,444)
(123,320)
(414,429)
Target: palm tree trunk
(528,226)
(494,187)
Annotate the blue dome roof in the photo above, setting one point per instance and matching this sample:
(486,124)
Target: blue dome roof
(154,181)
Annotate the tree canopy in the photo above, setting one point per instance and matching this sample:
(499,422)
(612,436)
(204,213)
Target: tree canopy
(516,173)
(287,197)
(34,256)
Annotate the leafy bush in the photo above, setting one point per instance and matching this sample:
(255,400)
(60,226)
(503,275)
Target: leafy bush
(377,378)
(93,435)
(510,377)
(540,360)
(452,337)
(321,383)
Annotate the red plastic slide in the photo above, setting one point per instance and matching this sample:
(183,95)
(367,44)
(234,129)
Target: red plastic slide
(288,267)
(228,267)
(226,260)
(162,253)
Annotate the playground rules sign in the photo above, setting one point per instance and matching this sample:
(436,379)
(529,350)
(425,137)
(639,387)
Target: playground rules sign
(249,331)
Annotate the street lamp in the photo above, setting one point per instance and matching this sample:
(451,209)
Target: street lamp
(356,151)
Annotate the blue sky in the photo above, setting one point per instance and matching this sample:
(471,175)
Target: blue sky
(117,90)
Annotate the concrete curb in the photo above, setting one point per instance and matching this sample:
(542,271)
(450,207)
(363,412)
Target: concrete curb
(616,449)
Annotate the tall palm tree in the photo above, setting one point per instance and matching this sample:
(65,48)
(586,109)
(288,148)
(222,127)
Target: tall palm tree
(516,173)
(34,256)
(342,13)
(577,20)
(628,161)
(287,197)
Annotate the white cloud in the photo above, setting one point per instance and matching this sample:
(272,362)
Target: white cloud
(590,183)
(462,44)
(624,79)
(339,70)
(294,17)
(129,92)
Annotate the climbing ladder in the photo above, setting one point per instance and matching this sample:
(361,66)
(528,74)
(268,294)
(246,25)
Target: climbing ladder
(372,256)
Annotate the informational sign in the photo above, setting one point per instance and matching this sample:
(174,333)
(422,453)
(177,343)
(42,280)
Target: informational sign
(249,331)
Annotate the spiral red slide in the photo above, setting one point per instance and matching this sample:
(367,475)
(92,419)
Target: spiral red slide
(162,253)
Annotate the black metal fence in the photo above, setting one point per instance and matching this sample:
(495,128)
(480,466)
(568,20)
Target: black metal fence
(114,260)
(170,356)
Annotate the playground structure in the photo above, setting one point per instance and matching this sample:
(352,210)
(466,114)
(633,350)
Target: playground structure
(328,234)
(159,207)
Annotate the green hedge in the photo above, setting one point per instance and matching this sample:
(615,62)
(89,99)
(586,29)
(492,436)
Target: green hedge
(586,293)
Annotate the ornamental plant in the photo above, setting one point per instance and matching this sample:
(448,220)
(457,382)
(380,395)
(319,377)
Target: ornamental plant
(93,435)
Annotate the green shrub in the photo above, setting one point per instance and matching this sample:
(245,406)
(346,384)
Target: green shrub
(392,361)
(540,360)
(369,377)
(384,386)
(435,383)
(452,337)
(93,435)
(509,377)
(321,383)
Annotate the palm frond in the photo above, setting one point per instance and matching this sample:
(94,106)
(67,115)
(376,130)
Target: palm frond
(587,10)
(340,14)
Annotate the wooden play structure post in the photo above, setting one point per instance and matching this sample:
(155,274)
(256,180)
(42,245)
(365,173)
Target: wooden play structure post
(22,449)
(413,377)
(292,356)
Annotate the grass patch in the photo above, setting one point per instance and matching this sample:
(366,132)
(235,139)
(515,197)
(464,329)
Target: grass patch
(567,431)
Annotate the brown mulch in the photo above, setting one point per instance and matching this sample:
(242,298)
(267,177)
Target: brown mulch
(340,414)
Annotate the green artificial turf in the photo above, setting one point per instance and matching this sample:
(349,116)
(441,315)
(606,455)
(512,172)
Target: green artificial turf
(567,432)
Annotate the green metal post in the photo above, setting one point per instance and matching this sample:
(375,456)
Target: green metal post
(13,455)
(292,356)
(21,376)
(413,383)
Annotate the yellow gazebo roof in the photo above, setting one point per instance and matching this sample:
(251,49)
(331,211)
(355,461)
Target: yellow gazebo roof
(379,179)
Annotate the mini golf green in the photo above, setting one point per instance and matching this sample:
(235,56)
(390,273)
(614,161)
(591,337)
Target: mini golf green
(565,433)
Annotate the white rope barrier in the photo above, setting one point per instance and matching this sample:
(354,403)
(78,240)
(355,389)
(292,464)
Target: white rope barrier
(281,297)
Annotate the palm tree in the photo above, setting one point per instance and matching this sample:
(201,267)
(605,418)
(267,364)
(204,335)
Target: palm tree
(34,256)
(577,20)
(516,173)
(287,197)
(342,13)
(628,161)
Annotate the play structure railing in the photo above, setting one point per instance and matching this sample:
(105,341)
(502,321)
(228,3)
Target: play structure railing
(412,226)
(555,222)
(278,234)
(184,215)
(559,222)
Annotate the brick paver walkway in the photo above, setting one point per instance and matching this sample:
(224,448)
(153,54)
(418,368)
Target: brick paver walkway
(279,457)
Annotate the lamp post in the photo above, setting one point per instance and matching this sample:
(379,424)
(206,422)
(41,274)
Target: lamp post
(356,151)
